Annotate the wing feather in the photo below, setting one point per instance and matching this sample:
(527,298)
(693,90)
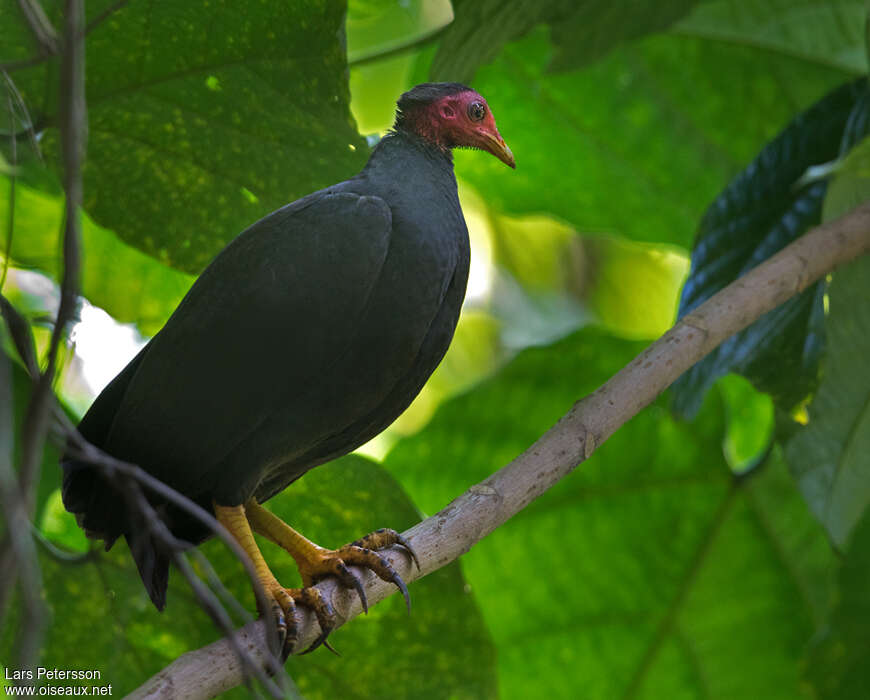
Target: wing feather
(275,309)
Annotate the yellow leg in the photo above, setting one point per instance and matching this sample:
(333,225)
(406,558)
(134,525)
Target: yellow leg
(316,563)
(234,519)
(283,600)
(306,554)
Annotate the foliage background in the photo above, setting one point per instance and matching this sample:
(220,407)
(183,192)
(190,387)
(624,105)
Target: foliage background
(710,548)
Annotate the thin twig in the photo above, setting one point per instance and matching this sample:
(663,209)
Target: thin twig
(73,128)
(29,127)
(61,555)
(36,424)
(445,536)
(418,43)
(42,29)
(45,54)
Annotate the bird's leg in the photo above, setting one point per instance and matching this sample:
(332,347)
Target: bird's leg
(283,600)
(316,563)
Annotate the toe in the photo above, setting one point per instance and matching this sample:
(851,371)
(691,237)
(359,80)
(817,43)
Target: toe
(321,607)
(380,566)
(386,537)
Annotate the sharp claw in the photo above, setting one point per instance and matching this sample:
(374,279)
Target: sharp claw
(361,591)
(407,545)
(400,584)
(329,646)
(321,639)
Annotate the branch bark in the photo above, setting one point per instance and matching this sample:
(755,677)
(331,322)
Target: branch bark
(448,534)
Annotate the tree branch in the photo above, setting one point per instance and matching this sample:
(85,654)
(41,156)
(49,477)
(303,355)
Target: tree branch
(450,533)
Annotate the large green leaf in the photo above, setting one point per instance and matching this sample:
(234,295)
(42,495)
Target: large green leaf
(837,663)
(581,31)
(830,457)
(204,116)
(442,649)
(652,571)
(635,144)
(828,32)
(761,211)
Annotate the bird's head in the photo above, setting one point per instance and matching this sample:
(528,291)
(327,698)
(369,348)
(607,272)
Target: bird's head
(451,115)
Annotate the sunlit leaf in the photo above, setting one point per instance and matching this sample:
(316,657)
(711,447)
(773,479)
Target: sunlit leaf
(378,26)
(132,286)
(750,422)
(634,287)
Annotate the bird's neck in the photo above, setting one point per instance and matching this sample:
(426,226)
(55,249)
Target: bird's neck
(397,145)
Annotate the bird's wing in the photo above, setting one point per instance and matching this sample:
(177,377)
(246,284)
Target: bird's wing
(274,310)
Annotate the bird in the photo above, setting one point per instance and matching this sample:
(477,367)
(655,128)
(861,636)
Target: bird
(305,337)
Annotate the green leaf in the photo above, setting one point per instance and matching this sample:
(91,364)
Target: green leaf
(826,32)
(5,168)
(830,457)
(334,504)
(750,422)
(631,145)
(376,27)
(581,32)
(837,662)
(132,286)
(851,183)
(204,117)
(760,212)
(651,571)
(557,280)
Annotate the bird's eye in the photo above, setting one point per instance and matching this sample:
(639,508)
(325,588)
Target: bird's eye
(476,111)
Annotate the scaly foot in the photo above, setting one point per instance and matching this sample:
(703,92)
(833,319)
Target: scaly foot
(315,563)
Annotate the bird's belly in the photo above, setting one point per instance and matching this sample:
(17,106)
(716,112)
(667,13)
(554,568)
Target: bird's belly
(365,393)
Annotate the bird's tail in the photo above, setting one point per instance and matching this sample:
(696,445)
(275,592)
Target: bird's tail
(101,511)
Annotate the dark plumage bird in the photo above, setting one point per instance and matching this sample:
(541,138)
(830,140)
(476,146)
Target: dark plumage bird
(304,338)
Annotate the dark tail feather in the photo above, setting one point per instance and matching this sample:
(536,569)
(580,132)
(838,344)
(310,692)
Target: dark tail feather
(101,511)
(153,564)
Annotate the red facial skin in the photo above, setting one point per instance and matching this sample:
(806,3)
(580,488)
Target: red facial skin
(449,124)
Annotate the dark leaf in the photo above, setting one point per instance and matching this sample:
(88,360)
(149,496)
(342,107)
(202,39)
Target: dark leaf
(760,212)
